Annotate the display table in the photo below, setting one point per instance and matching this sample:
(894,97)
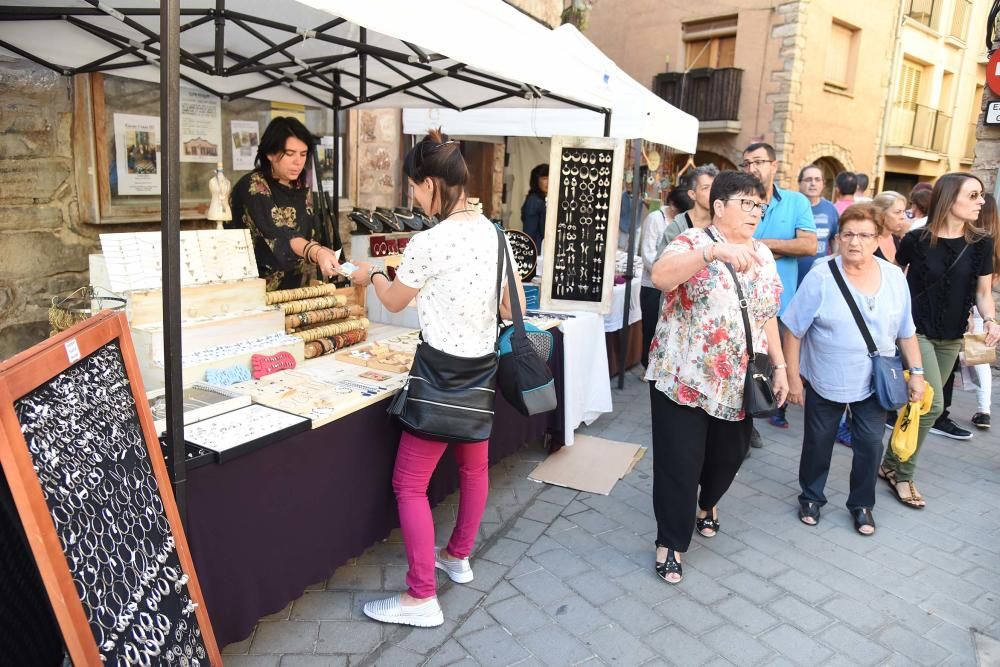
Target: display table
(613,330)
(266,525)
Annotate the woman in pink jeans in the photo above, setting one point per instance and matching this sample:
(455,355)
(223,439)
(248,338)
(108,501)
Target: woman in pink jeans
(451,270)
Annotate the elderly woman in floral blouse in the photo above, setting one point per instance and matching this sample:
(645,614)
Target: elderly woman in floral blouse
(698,361)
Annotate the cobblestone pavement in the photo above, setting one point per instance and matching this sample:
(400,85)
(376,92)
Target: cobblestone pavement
(565,577)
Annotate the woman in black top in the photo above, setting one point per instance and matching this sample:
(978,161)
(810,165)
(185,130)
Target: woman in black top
(533,208)
(949,267)
(275,202)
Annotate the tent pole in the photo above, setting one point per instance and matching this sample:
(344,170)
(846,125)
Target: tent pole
(220,37)
(170,207)
(607,122)
(337,157)
(632,224)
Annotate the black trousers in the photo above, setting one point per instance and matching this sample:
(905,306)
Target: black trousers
(649,303)
(867,426)
(691,449)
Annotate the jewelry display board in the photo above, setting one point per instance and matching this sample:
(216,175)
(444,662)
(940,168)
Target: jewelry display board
(86,471)
(243,430)
(134,260)
(581,223)
(525,252)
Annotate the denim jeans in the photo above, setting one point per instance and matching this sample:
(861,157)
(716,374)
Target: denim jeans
(867,425)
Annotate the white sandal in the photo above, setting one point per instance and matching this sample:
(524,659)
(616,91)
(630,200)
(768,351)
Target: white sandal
(391,610)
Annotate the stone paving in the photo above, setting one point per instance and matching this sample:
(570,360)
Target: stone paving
(566,577)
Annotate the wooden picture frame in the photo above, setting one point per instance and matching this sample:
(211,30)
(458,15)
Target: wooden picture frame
(558,219)
(36,368)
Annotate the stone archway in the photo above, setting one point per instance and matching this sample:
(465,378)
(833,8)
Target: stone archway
(835,151)
(711,157)
(830,167)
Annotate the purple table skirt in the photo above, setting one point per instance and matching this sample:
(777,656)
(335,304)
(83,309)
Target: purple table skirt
(264,526)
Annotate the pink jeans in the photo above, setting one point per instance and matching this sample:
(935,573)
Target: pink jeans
(415,463)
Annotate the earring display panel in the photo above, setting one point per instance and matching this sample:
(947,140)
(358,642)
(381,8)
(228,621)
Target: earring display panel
(525,253)
(88,479)
(582,224)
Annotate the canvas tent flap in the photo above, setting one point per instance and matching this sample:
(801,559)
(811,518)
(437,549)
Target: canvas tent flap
(376,53)
(637,113)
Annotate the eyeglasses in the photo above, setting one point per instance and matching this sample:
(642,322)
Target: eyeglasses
(847,237)
(748,205)
(746,164)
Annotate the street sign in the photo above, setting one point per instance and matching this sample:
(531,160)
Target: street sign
(993,72)
(992,113)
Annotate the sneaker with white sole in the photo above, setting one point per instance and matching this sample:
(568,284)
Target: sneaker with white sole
(391,610)
(458,571)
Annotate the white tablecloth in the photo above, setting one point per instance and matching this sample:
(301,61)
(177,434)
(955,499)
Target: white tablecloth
(613,320)
(586,388)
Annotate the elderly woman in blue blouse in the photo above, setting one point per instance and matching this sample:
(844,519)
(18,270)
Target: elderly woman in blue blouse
(829,367)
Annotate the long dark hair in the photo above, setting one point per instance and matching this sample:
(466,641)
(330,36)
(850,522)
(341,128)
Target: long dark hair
(989,223)
(943,197)
(273,141)
(540,171)
(440,159)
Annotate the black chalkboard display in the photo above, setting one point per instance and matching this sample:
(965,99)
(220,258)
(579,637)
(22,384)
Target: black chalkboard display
(582,224)
(525,253)
(88,450)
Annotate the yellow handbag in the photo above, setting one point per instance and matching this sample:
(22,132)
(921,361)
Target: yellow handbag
(904,435)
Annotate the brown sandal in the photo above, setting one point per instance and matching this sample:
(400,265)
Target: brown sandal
(888,474)
(914,500)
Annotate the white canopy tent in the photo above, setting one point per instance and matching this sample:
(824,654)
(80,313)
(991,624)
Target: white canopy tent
(637,113)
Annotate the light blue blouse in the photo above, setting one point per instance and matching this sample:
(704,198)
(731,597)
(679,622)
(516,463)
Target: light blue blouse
(834,358)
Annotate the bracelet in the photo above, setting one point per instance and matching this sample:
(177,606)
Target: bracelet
(989,320)
(372,272)
(319,248)
(778,367)
(305,250)
(916,370)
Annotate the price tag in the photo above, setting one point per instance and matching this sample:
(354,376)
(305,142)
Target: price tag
(72,351)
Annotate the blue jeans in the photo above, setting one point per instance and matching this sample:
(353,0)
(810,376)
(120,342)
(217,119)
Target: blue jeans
(821,422)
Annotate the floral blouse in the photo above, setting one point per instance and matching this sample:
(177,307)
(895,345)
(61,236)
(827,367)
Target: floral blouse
(698,356)
(275,214)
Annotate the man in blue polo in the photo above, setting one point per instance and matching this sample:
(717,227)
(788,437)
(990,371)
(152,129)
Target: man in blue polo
(787,228)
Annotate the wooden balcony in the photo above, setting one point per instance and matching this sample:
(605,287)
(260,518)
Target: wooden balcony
(710,95)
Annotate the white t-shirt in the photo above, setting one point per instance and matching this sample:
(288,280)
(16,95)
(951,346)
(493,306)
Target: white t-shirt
(454,265)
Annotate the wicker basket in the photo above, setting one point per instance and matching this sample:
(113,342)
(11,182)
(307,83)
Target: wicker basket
(80,304)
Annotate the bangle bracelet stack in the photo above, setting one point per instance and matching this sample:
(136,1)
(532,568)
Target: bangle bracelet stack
(307,249)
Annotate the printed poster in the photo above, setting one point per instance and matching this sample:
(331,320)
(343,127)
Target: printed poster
(201,126)
(327,155)
(245,137)
(288,109)
(137,154)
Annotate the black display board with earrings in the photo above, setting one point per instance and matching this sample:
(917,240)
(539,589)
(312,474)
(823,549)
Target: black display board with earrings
(581,223)
(79,453)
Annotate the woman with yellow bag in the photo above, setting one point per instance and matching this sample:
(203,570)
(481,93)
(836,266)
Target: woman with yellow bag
(842,325)
(903,440)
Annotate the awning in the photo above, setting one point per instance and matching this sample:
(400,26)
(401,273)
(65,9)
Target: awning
(372,53)
(637,113)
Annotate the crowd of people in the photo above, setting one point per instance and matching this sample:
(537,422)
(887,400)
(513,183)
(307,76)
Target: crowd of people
(829,291)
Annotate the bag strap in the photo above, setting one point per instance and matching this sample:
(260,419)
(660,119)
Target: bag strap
(853,305)
(744,304)
(515,300)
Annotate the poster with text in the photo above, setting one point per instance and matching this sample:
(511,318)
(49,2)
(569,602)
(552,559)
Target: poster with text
(327,156)
(201,126)
(245,137)
(137,154)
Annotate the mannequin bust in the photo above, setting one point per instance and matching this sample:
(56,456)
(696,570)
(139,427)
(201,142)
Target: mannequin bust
(220,188)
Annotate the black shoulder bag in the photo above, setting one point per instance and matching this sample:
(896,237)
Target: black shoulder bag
(758,397)
(447,397)
(887,372)
(523,375)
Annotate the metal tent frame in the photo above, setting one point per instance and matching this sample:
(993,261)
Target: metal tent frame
(132,45)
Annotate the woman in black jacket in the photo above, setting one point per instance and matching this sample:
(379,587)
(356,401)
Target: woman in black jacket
(533,208)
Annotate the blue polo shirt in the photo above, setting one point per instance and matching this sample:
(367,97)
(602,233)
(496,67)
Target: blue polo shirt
(788,212)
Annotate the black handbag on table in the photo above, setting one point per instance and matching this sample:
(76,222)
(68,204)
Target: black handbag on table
(447,397)
(758,396)
(523,375)
(888,380)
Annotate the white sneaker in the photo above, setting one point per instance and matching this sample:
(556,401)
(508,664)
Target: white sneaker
(458,570)
(391,610)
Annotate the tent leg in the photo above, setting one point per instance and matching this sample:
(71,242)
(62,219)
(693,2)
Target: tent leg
(632,224)
(170,206)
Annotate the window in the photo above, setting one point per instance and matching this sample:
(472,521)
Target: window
(960,19)
(922,11)
(908,86)
(841,58)
(710,43)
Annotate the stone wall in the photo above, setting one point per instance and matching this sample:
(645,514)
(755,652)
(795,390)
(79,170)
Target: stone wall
(786,83)
(43,246)
(546,11)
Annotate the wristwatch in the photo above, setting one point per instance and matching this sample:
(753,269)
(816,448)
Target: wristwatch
(916,370)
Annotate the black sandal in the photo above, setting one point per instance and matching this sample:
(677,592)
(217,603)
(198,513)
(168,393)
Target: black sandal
(809,510)
(670,566)
(707,522)
(863,517)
